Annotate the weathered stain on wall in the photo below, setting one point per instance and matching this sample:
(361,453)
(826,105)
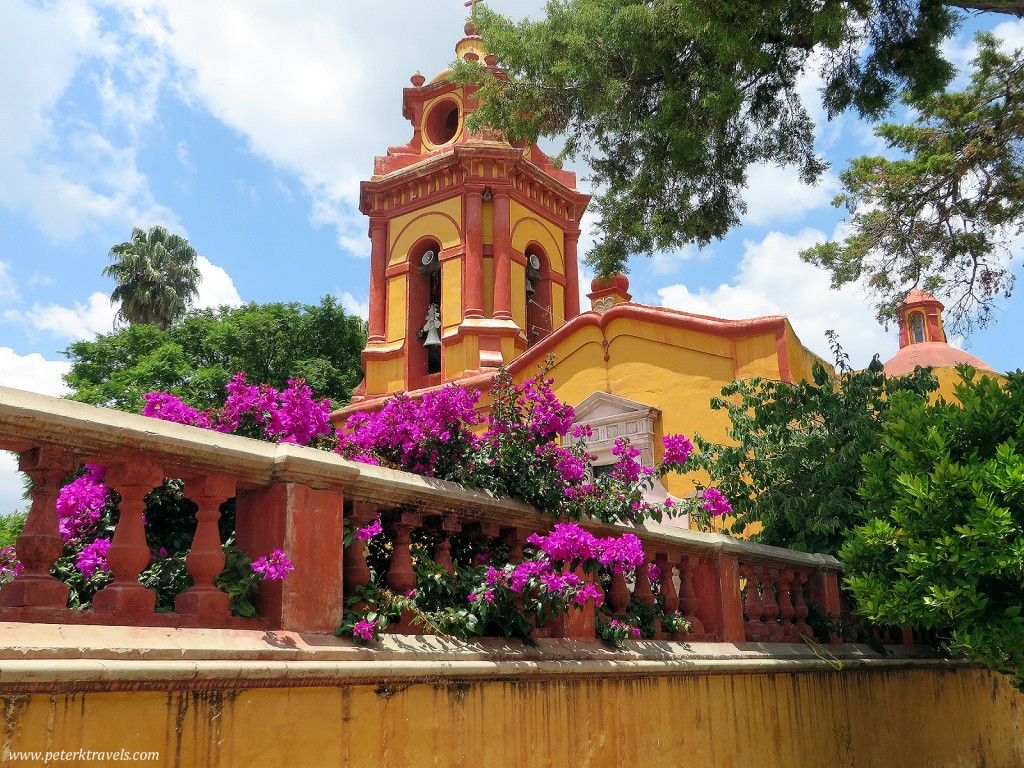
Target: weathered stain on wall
(856,718)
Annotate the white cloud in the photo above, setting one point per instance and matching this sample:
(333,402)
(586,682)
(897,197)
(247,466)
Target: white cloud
(668,262)
(216,288)
(962,49)
(11,488)
(32,372)
(97,315)
(354,306)
(8,288)
(67,173)
(79,321)
(39,280)
(773,280)
(775,194)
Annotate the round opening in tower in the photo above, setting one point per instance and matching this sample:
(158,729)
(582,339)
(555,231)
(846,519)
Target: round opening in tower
(442,123)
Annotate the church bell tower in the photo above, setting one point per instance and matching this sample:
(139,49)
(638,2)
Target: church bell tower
(473,243)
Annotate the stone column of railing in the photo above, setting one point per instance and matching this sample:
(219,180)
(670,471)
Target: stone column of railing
(40,543)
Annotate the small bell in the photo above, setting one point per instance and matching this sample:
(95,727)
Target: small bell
(433,338)
(530,290)
(431,329)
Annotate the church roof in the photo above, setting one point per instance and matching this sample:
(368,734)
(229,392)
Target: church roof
(935,354)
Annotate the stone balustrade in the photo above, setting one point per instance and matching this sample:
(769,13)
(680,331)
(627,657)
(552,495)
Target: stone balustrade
(298,499)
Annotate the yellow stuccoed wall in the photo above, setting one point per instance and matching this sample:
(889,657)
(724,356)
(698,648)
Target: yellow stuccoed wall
(676,370)
(916,718)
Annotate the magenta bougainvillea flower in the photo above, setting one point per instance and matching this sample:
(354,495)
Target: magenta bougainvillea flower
(677,449)
(93,557)
(714,503)
(273,567)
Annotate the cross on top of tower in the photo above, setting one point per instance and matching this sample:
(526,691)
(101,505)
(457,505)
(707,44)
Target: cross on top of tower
(472,4)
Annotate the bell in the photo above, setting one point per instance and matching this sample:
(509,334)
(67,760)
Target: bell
(433,338)
(530,290)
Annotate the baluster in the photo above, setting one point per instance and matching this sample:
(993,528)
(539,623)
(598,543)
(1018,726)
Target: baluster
(355,572)
(800,611)
(670,598)
(786,610)
(688,600)
(618,594)
(515,538)
(481,533)
(751,604)
(129,553)
(450,525)
(40,543)
(642,591)
(666,586)
(205,561)
(401,577)
(772,631)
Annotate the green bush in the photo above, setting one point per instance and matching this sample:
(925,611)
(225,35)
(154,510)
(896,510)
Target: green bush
(943,546)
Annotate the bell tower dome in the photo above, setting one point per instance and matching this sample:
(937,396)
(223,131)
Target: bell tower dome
(923,338)
(473,243)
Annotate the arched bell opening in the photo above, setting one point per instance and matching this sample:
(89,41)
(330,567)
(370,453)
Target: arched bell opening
(424,357)
(539,320)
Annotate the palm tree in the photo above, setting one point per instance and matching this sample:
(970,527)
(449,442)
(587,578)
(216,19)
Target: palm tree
(156,275)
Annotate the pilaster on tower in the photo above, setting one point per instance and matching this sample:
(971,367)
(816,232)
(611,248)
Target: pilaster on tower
(468,228)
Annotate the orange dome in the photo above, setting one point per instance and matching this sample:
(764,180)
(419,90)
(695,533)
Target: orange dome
(934,354)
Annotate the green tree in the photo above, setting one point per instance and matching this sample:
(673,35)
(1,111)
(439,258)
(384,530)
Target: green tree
(794,463)
(196,356)
(942,216)
(11,526)
(671,101)
(156,275)
(944,546)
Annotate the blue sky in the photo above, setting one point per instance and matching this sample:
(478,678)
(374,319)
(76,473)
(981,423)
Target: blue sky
(246,126)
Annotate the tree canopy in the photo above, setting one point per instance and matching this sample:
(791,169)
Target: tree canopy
(671,101)
(943,215)
(942,547)
(156,275)
(794,460)
(196,356)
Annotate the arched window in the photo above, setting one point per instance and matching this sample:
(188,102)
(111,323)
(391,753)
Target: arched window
(917,328)
(538,295)
(425,329)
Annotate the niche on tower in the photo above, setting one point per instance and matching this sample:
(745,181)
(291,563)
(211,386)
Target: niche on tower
(424,349)
(538,295)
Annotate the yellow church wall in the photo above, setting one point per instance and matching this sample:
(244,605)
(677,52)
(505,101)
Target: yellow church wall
(949,378)
(557,306)
(488,287)
(519,289)
(488,223)
(386,375)
(440,220)
(458,354)
(396,307)
(770,718)
(757,356)
(451,293)
(527,227)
